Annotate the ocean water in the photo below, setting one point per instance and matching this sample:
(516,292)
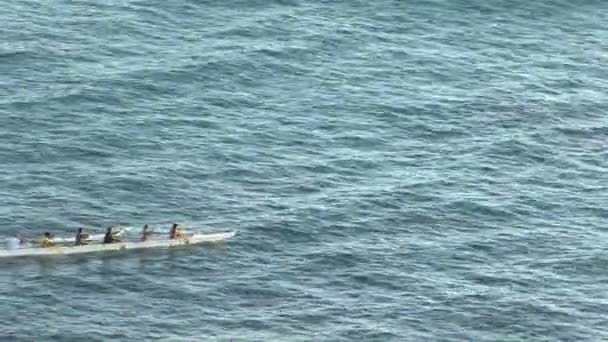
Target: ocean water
(397,171)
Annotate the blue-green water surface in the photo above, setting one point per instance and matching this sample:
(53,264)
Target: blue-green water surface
(397,170)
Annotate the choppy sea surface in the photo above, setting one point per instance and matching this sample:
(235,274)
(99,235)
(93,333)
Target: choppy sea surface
(397,171)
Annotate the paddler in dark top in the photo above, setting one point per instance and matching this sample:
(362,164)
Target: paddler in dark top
(81,237)
(175,233)
(109,237)
(145,234)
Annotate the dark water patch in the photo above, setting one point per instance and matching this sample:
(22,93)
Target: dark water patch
(332,260)
(472,208)
(377,280)
(585,132)
(369,334)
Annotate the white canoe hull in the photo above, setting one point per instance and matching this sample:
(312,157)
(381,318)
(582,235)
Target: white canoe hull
(192,239)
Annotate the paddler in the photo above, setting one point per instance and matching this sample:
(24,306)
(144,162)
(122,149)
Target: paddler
(81,237)
(176,233)
(109,237)
(145,233)
(46,241)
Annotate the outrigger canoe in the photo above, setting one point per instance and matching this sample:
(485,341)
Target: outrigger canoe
(117,246)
